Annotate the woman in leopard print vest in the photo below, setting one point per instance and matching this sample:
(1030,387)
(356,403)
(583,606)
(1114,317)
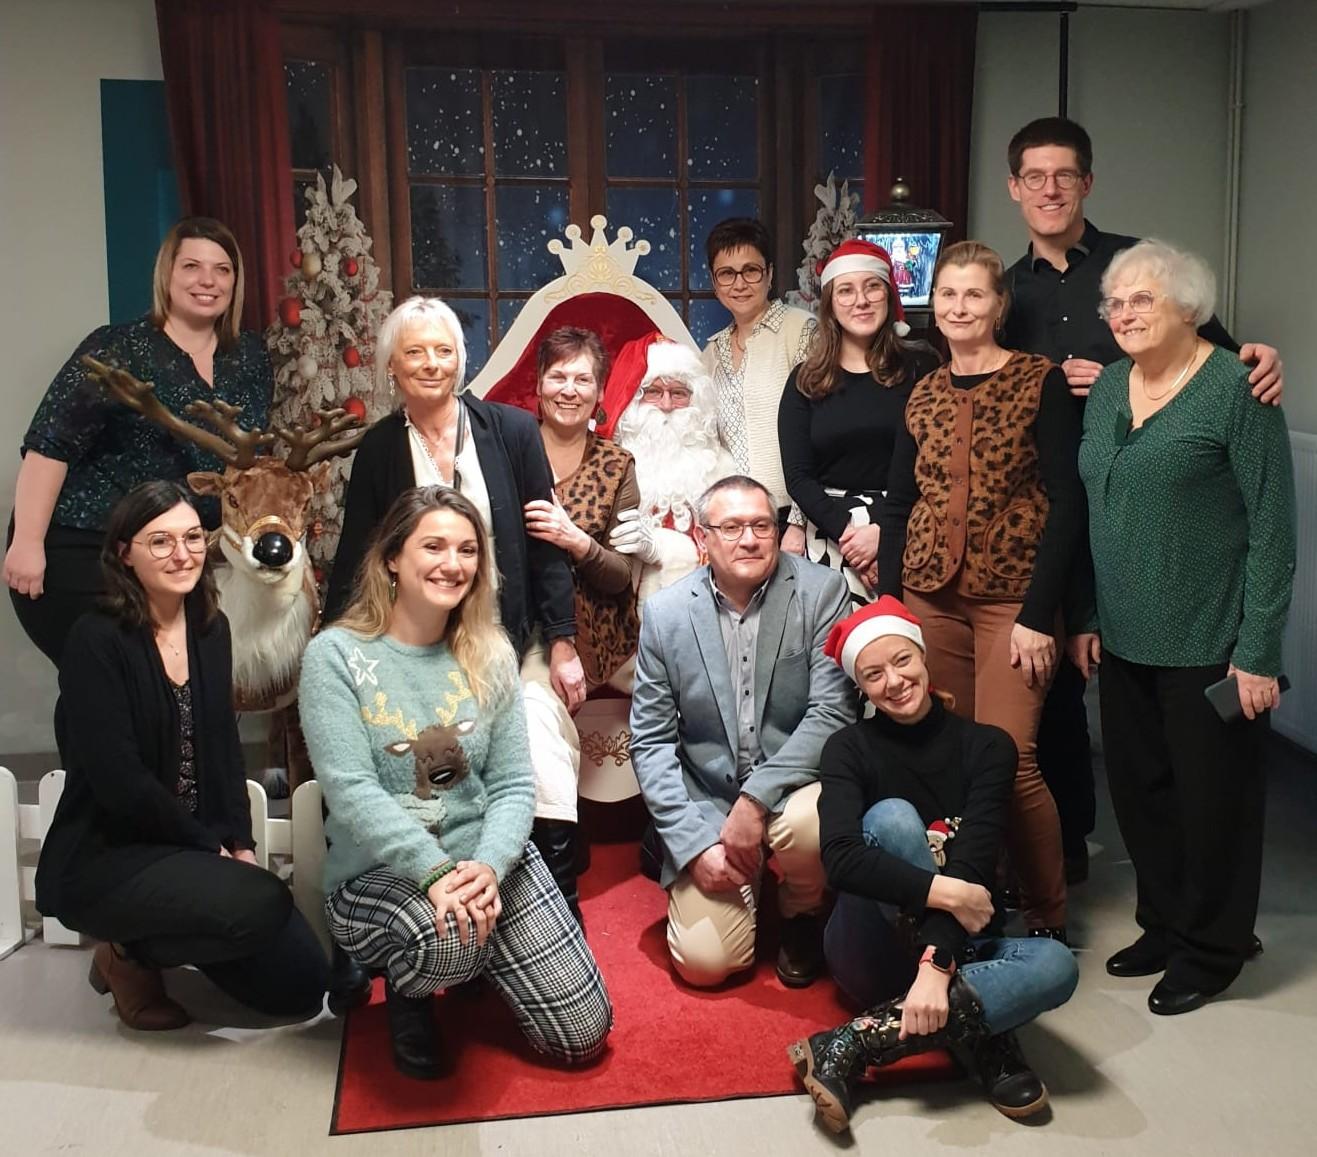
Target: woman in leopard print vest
(981,535)
(594,481)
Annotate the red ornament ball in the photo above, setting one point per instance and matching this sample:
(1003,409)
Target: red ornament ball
(352,357)
(290,312)
(295,258)
(356,408)
(350,267)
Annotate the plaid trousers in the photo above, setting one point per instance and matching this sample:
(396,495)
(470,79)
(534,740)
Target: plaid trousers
(536,956)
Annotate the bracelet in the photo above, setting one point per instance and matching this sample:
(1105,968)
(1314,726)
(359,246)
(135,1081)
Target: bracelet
(437,874)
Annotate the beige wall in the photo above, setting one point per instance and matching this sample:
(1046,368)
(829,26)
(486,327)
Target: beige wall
(53,55)
(1150,87)
(1278,227)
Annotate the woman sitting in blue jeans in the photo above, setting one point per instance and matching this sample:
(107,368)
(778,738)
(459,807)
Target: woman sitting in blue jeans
(911,820)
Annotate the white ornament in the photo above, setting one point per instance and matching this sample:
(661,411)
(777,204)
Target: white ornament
(307,368)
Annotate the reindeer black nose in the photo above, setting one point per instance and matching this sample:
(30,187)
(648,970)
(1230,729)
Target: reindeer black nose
(273,549)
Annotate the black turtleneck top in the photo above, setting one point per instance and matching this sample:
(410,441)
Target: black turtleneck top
(945,766)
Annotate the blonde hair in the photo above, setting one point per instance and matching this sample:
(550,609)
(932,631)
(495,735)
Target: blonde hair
(416,311)
(229,325)
(964,253)
(473,635)
(820,372)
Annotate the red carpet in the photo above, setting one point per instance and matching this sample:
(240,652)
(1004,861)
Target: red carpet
(669,1043)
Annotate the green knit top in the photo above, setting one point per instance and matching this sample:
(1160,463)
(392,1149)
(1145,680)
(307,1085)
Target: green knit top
(1191,521)
(416,775)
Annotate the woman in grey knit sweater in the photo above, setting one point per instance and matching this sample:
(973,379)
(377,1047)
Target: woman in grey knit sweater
(413,716)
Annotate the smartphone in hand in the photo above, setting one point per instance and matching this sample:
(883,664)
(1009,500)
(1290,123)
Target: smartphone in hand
(1224,697)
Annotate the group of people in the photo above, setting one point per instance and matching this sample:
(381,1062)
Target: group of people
(854,590)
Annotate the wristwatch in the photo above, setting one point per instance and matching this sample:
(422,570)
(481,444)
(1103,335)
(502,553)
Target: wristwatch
(940,958)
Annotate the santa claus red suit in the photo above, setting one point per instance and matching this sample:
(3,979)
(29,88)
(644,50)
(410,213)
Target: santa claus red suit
(661,404)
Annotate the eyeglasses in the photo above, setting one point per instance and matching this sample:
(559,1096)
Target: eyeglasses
(680,395)
(750,274)
(732,531)
(1141,302)
(163,544)
(1034,180)
(848,295)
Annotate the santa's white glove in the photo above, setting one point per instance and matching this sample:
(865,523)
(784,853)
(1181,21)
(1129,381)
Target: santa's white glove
(633,535)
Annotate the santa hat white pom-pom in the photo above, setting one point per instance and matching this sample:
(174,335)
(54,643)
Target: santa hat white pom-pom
(902,328)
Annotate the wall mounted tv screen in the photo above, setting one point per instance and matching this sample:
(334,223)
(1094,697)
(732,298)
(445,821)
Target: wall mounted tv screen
(913,254)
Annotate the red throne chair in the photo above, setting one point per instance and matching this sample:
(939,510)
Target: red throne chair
(598,290)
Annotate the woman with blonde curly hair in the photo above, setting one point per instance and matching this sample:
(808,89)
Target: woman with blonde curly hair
(414,721)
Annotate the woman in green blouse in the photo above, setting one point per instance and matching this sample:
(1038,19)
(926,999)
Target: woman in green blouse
(1191,520)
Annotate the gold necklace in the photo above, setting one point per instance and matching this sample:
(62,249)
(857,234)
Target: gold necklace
(204,347)
(1143,379)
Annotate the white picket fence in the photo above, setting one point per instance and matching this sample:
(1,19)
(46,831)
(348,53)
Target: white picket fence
(298,841)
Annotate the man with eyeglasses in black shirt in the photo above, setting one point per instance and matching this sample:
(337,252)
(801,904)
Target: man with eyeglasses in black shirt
(1055,291)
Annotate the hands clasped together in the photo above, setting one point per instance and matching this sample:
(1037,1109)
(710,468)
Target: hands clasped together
(469,894)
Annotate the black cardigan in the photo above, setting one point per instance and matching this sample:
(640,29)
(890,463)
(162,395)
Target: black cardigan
(117,724)
(535,585)
(945,766)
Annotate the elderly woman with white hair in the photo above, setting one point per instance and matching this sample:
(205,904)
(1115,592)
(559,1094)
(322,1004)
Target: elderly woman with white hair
(1191,521)
(493,455)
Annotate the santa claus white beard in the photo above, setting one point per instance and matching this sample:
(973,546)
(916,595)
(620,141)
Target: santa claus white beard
(676,458)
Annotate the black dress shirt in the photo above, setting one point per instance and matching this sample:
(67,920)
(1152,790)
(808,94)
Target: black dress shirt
(1054,312)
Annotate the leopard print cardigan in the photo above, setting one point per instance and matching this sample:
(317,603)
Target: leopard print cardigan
(982,506)
(607,625)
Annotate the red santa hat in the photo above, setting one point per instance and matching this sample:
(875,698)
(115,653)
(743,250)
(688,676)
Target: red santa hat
(856,256)
(887,616)
(639,362)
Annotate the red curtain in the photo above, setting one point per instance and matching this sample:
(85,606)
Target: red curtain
(918,107)
(228,116)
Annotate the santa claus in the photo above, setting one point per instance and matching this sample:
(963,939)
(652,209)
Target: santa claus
(666,414)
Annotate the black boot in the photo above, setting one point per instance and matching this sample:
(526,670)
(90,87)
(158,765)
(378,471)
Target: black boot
(1012,1086)
(830,1063)
(413,1034)
(556,841)
(349,983)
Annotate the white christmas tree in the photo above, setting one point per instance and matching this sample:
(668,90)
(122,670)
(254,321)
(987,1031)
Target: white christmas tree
(323,343)
(833,224)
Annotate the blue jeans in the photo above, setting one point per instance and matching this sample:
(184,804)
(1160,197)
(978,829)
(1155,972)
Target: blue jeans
(1016,978)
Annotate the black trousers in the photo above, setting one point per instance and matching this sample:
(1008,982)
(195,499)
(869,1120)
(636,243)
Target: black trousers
(1065,756)
(72,585)
(234,921)
(1190,796)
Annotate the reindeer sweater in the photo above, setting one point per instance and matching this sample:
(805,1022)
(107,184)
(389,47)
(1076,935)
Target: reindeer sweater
(415,774)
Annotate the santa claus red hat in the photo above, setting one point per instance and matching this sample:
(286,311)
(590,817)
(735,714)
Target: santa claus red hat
(639,362)
(887,616)
(856,256)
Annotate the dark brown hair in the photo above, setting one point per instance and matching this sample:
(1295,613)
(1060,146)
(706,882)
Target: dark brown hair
(124,597)
(736,232)
(566,343)
(1057,131)
(229,325)
(818,374)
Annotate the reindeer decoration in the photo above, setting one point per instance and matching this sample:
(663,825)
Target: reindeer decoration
(267,588)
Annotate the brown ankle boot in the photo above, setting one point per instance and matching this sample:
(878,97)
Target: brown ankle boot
(139,993)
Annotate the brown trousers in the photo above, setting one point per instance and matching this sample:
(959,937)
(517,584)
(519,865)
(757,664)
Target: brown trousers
(969,657)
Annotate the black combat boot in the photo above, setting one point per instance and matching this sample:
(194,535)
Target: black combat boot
(830,1063)
(413,1034)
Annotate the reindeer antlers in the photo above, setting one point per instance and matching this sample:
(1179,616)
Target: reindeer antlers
(232,444)
(327,440)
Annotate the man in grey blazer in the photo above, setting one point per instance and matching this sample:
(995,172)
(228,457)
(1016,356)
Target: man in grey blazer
(733,702)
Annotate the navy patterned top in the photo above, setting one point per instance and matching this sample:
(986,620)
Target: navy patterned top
(108,448)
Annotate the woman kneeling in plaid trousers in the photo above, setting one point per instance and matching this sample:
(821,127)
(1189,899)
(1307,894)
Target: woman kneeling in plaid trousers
(413,716)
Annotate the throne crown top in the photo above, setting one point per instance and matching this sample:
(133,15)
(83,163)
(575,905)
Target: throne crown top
(598,260)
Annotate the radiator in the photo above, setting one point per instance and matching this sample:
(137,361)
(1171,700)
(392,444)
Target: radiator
(1296,718)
